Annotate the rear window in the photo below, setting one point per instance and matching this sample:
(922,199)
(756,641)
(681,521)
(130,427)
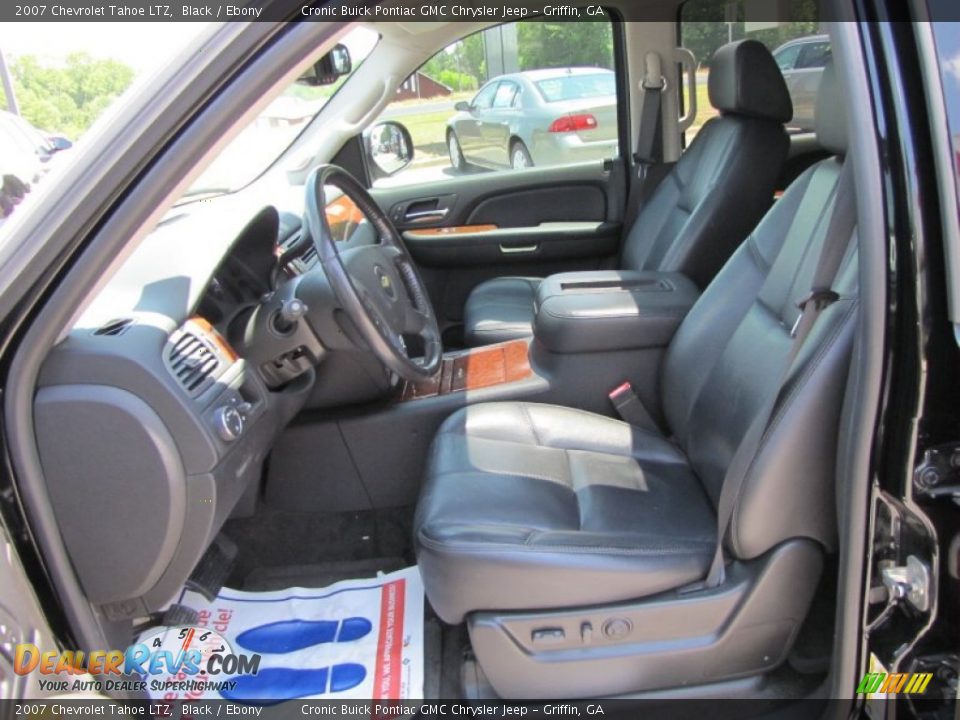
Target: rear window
(577,87)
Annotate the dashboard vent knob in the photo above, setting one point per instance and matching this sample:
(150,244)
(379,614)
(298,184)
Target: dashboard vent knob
(192,361)
(114,327)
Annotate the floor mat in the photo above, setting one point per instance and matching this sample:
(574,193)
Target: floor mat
(273,539)
(356,639)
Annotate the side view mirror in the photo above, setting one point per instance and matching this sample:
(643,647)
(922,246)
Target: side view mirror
(462,106)
(328,69)
(389,148)
(59,142)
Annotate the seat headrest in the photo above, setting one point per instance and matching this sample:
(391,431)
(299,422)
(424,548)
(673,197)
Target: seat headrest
(830,116)
(745,79)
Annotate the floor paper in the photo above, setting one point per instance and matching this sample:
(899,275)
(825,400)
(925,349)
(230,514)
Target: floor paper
(306,648)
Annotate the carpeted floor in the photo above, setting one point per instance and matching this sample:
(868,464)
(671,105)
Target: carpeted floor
(278,550)
(273,540)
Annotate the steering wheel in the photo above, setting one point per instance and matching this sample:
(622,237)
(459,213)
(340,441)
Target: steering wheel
(377,285)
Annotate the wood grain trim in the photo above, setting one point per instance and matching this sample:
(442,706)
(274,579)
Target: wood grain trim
(455,230)
(209,331)
(473,369)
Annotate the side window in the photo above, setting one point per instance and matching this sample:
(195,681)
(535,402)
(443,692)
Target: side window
(814,56)
(505,94)
(707,25)
(559,76)
(787,58)
(484,98)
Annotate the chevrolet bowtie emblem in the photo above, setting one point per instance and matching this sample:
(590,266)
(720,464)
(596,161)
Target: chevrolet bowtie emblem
(386,284)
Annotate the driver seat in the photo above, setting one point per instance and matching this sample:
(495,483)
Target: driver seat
(573,544)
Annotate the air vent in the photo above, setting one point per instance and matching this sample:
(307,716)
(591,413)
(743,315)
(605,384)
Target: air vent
(289,241)
(114,327)
(192,361)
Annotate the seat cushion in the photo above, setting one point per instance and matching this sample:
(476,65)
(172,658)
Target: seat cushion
(500,309)
(529,506)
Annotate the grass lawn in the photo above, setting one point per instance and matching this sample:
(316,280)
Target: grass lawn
(428,131)
(429,128)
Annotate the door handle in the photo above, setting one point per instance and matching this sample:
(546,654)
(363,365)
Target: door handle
(518,249)
(423,215)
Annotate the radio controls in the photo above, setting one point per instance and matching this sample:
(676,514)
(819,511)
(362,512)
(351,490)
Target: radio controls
(228,422)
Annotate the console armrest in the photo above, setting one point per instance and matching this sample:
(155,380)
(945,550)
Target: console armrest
(611,310)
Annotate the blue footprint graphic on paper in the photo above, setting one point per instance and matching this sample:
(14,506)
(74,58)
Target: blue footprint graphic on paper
(276,685)
(287,636)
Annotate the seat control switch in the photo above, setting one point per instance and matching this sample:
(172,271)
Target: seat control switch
(547,636)
(586,633)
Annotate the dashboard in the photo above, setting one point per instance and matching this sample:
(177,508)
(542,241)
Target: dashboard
(155,413)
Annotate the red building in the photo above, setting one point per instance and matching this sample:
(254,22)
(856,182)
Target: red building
(421,87)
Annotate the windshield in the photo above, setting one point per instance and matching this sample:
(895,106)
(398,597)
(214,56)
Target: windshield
(275,129)
(577,87)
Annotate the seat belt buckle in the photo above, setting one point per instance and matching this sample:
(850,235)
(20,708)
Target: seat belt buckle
(627,404)
(821,299)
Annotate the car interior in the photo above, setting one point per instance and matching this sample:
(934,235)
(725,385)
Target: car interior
(597,405)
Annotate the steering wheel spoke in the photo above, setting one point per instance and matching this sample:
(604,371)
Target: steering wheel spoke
(378,286)
(418,322)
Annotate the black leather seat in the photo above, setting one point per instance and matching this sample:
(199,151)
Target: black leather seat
(528,507)
(531,506)
(701,211)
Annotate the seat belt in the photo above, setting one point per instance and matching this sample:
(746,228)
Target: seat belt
(650,137)
(649,145)
(820,297)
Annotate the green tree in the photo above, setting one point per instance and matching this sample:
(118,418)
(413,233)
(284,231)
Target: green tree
(471,59)
(704,26)
(68,99)
(566,44)
(463,63)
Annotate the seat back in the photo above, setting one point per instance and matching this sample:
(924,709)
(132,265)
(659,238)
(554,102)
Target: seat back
(726,359)
(724,182)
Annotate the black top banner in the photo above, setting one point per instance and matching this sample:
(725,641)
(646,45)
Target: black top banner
(419,11)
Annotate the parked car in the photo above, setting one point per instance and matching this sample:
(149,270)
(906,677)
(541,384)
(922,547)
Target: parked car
(802,62)
(27,150)
(537,117)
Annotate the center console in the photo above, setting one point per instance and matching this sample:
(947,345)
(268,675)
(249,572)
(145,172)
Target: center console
(594,331)
(482,367)
(611,310)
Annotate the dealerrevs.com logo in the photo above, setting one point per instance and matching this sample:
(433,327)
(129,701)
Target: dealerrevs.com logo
(187,658)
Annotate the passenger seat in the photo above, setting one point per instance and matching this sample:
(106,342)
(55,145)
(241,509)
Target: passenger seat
(701,212)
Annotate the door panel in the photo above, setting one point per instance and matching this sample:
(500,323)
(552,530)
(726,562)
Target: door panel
(468,133)
(495,245)
(539,221)
(469,129)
